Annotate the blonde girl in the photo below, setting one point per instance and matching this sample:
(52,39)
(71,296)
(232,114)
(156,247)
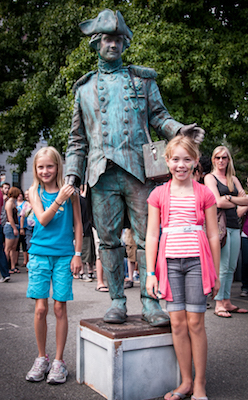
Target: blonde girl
(229,194)
(187,263)
(52,258)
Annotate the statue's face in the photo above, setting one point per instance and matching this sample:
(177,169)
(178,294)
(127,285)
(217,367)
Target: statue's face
(111,47)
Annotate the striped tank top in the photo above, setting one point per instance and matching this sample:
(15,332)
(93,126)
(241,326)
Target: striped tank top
(182,244)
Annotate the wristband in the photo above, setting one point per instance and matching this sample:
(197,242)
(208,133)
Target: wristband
(78,253)
(150,274)
(57,203)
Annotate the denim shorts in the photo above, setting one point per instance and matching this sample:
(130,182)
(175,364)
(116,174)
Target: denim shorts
(8,231)
(44,269)
(185,280)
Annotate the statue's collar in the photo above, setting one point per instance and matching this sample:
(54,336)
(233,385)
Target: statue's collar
(106,67)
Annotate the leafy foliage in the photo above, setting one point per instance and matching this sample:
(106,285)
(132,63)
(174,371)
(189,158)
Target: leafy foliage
(198,47)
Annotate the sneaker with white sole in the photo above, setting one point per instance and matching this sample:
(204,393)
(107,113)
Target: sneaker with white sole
(39,369)
(58,372)
(85,278)
(6,279)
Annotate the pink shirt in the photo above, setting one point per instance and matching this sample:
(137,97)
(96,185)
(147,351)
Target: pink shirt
(182,244)
(204,198)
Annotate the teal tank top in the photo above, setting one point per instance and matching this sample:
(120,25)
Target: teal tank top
(56,238)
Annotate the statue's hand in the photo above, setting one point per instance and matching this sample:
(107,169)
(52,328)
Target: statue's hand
(193,131)
(73,180)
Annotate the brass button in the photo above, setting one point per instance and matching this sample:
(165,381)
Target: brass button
(102,98)
(125,132)
(101,79)
(101,87)
(125,87)
(103,110)
(125,97)
(105,133)
(126,121)
(125,75)
(104,122)
(126,109)
(135,107)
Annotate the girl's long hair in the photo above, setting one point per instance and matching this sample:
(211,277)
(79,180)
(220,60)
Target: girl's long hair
(230,171)
(52,153)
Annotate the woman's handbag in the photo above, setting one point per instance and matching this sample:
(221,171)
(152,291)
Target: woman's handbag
(221,217)
(153,153)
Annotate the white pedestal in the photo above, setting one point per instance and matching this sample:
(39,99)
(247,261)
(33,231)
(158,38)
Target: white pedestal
(131,361)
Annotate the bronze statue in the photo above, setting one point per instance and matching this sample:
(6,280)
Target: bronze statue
(107,127)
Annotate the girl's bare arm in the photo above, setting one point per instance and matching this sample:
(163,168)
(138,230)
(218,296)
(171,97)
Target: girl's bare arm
(45,216)
(214,242)
(9,205)
(76,262)
(152,238)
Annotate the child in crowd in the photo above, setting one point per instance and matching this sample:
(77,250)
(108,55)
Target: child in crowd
(28,214)
(88,248)
(188,261)
(52,257)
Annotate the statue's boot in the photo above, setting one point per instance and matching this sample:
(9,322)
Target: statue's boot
(152,311)
(112,262)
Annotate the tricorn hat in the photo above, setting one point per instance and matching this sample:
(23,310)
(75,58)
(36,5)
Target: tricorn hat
(108,22)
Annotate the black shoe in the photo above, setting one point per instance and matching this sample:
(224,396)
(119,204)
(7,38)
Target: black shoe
(156,319)
(115,316)
(128,284)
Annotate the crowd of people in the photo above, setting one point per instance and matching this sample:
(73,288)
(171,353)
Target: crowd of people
(17,221)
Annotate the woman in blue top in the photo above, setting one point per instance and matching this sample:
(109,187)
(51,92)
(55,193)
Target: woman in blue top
(52,257)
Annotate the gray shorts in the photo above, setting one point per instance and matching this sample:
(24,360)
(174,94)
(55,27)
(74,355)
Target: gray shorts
(185,280)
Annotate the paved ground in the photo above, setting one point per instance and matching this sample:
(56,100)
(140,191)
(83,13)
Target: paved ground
(227,355)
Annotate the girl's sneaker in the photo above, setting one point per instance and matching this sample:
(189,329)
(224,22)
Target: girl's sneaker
(58,372)
(40,367)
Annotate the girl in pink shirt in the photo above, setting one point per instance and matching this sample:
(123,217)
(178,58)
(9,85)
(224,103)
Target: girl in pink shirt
(187,263)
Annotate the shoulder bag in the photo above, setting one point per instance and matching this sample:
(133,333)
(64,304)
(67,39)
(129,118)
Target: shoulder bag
(153,152)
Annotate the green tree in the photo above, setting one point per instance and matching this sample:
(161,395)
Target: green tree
(35,39)
(198,48)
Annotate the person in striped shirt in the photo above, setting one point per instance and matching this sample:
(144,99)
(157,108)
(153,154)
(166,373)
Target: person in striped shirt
(186,261)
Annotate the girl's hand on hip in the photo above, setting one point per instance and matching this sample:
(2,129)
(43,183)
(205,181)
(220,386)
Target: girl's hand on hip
(152,286)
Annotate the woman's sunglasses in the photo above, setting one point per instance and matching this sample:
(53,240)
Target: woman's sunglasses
(218,157)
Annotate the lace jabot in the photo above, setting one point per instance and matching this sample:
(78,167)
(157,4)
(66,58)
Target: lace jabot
(106,67)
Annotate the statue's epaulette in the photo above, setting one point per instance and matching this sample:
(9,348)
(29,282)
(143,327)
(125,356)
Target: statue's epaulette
(143,72)
(82,80)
